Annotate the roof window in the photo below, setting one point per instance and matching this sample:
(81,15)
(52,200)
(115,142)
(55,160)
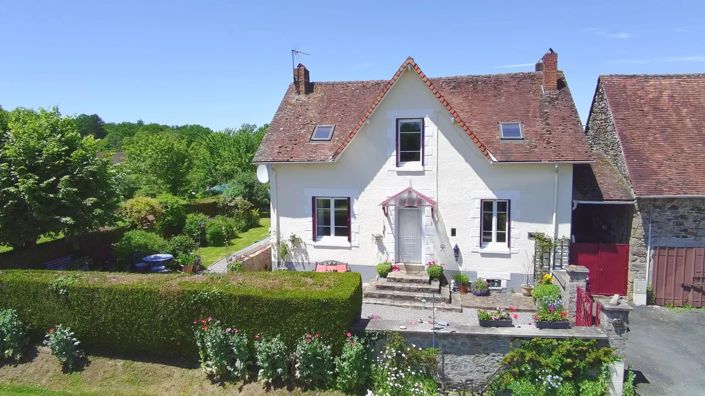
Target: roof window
(322,132)
(511,131)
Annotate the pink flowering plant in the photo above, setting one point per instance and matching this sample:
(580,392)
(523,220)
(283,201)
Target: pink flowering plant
(498,314)
(314,361)
(551,310)
(354,365)
(272,359)
(434,269)
(223,351)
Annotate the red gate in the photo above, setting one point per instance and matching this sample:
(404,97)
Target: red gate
(587,312)
(608,264)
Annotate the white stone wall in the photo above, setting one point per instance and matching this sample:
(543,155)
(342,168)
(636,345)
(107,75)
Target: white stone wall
(455,174)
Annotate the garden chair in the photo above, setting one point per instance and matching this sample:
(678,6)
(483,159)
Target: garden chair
(331,266)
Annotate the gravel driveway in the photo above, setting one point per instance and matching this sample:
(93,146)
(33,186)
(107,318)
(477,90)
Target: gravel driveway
(667,350)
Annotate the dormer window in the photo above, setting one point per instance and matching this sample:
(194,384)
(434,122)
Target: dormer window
(322,132)
(511,131)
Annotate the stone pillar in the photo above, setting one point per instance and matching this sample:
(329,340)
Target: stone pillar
(614,321)
(570,279)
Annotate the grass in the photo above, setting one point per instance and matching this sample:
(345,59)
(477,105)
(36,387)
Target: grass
(42,375)
(211,254)
(42,239)
(684,308)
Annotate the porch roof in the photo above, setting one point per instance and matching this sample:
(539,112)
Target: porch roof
(408,198)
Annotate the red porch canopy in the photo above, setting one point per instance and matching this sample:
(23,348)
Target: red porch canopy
(408,198)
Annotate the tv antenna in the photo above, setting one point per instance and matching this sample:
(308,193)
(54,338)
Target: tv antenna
(294,53)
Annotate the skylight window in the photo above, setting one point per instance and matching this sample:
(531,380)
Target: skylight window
(322,132)
(511,131)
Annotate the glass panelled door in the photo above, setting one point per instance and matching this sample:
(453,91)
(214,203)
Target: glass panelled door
(409,235)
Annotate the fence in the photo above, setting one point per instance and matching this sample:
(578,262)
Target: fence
(679,276)
(587,312)
(554,259)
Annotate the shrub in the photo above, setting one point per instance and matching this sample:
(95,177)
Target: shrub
(153,314)
(434,270)
(246,186)
(195,227)
(141,212)
(546,291)
(209,206)
(550,310)
(272,359)
(13,335)
(242,211)
(461,279)
(480,287)
(383,269)
(65,346)
(403,370)
(219,231)
(223,352)
(136,244)
(173,219)
(314,361)
(353,366)
(544,366)
(235,266)
(181,245)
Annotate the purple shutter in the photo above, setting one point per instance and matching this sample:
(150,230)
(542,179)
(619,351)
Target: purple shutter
(482,219)
(423,146)
(509,223)
(396,132)
(349,226)
(313,217)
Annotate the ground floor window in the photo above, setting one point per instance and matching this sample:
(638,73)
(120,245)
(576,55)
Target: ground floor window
(331,217)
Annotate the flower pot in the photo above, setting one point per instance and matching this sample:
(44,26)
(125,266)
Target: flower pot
(561,324)
(463,289)
(481,293)
(526,291)
(497,323)
(187,268)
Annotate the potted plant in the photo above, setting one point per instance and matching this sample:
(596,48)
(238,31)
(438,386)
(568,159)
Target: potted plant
(462,280)
(497,318)
(383,269)
(480,287)
(551,314)
(434,270)
(527,287)
(186,261)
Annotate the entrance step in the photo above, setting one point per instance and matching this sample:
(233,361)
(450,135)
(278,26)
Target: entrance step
(433,287)
(374,292)
(440,306)
(405,277)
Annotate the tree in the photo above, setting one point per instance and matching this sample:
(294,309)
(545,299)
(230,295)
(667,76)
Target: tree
(51,179)
(90,125)
(160,162)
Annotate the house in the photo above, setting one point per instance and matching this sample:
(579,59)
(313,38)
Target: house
(454,169)
(647,135)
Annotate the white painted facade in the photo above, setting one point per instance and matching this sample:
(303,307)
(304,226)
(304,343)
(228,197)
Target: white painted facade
(455,174)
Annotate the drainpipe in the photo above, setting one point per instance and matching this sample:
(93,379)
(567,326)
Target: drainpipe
(274,196)
(555,214)
(648,243)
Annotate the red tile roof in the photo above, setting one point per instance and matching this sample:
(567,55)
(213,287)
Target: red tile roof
(660,122)
(478,104)
(599,181)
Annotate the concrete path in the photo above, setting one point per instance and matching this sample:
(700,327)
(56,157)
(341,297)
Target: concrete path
(221,266)
(667,351)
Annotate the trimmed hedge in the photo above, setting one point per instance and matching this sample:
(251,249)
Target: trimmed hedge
(144,314)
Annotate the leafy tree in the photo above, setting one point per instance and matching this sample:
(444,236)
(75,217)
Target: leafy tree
(246,185)
(160,162)
(141,212)
(90,125)
(51,179)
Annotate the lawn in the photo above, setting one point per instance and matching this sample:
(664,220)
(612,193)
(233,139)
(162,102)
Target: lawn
(110,376)
(42,239)
(211,254)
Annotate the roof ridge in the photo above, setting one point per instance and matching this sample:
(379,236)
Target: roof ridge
(654,75)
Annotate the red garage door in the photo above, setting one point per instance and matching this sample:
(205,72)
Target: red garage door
(608,264)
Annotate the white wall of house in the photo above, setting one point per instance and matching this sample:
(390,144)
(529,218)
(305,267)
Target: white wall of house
(455,174)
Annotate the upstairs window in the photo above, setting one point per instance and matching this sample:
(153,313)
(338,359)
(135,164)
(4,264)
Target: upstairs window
(495,222)
(409,140)
(322,132)
(511,131)
(331,217)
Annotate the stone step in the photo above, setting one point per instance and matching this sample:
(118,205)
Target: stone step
(440,306)
(402,295)
(404,277)
(433,287)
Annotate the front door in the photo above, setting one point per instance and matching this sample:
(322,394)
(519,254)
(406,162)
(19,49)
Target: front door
(409,235)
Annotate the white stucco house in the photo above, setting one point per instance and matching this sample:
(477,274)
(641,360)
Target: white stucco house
(406,169)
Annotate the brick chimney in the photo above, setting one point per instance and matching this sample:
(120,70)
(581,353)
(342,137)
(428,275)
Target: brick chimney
(301,80)
(549,65)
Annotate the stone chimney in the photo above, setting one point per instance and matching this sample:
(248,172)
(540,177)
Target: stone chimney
(301,80)
(549,65)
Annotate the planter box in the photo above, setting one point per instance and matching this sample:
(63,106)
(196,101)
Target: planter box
(497,323)
(482,293)
(563,324)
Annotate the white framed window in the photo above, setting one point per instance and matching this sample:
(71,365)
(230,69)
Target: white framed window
(331,217)
(511,131)
(322,132)
(495,222)
(410,140)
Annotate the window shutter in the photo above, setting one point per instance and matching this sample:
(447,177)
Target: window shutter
(313,217)
(482,217)
(396,134)
(423,144)
(509,223)
(349,225)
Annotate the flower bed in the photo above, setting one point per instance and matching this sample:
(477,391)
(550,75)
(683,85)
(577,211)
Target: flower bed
(496,318)
(550,314)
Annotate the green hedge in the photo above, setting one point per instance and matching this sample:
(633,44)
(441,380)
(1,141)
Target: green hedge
(209,206)
(153,315)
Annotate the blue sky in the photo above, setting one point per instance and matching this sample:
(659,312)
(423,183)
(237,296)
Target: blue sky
(223,63)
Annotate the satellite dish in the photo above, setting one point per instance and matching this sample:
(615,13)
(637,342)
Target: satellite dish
(262,173)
